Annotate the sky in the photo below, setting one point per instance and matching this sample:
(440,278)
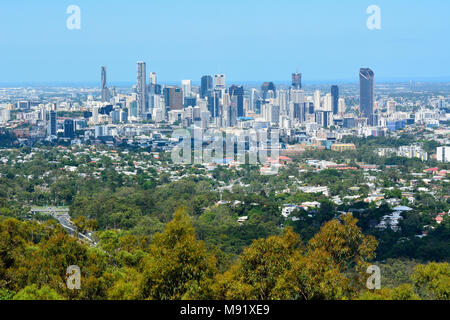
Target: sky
(325,40)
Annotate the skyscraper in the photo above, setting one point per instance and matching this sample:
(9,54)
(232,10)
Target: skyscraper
(297,80)
(214,104)
(186,85)
(328,103)
(317,100)
(105,93)
(152,78)
(335,99)
(237,92)
(366,92)
(173,97)
(268,90)
(323,118)
(206,86)
(219,82)
(152,90)
(69,128)
(298,107)
(141,89)
(52,124)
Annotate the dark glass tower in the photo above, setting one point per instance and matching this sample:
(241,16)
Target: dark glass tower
(238,92)
(266,88)
(206,86)
(335,99)
(297,80)
(366,92)
(53,129)
(69,128)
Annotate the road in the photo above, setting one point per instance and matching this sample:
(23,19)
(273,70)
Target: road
(62,215)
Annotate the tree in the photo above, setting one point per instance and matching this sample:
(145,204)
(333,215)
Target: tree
(312,276)
(349,249)
(178,266)
(260,265)
(33,293)
(432,281)
(404,292)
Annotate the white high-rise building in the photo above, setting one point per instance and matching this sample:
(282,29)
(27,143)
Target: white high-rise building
(317,100)
(443,154)
(341,106)
(5,115)
(283,99)
(219,81)
(328,102)
(253,98)
(186,85)
(95,119)
(152,78)
(391,104)
(141,89)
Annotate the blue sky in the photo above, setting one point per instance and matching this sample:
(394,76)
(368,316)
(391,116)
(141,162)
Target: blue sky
(327,40)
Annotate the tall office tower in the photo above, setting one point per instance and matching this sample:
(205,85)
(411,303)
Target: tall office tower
(268,90)
(186,85)
(206,86)
(52,124)
(113,92)
(317,100)
(328,102)
(219,82)
(214,104)
(152,90)
(105,93)
(274,114)
(152,78)
(238,92)
(298,105)
(283,98)
(231,112)
(297,80)
(42,112)
(366,92)
(335,99)
(324,118)
(310,107)
(141,89)
(341,105)
(173,97)
(253,99)
(69,129)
